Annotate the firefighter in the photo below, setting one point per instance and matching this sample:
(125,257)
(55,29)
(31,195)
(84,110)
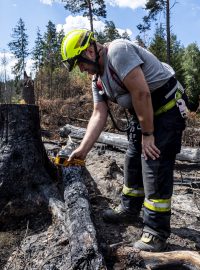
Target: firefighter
(131,76)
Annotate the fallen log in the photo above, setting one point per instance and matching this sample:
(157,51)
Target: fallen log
(113,139)
(120,141)
(81,231)
(182,259)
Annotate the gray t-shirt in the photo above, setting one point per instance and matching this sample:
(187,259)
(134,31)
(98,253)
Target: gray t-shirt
(122,56)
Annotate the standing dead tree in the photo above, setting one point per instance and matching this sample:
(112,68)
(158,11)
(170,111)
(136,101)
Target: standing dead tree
(28,94)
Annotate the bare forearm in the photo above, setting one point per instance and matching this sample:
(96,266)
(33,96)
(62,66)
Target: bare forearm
(96,124)
(141,98)
(94,128)
(143,108)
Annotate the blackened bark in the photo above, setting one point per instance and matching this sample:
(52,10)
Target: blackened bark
(84,250)
(168,32)
(28,94)
(24,165)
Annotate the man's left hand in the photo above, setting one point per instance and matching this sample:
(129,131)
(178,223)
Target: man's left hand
(149,150)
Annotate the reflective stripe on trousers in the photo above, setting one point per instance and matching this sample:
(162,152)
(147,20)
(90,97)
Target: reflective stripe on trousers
(158,205)
(139,192)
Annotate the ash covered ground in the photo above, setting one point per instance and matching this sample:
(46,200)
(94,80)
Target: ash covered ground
(37,242)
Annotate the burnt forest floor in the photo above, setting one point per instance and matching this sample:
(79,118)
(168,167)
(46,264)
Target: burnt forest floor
(35,243)
(106,170)
(24,243)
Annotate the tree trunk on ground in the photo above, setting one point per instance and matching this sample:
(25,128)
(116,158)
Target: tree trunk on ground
(84,251)
(81,231)
(181,259)
(25,170)
(120,141)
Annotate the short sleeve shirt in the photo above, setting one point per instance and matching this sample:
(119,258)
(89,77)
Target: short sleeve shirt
(121,57)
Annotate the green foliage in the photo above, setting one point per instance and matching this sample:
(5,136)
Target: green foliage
(140,41)
(89,8)
(51,47)
(110,33)
(125,35)
(158,43)
(153,7)
(47,62)
(37,52)
(192,73)
(158,48)
(18,46)
(177,52)
(98,7)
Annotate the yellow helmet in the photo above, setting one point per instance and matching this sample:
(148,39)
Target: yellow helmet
(73,44)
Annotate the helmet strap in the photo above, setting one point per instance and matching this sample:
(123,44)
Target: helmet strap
(96,60)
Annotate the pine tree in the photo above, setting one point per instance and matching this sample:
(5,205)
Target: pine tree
(110,33)
(38,51)
(158,48)
(125,35)
(51,60)
(60,36)
(177,52)
(154,7)
(50,47)
(192,74)
(140,41)
(19,47)
(90,8)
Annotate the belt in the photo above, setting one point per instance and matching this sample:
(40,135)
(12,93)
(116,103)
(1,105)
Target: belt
(170,104)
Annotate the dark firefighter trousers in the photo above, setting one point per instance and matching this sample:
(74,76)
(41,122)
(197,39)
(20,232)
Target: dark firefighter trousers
(152,180)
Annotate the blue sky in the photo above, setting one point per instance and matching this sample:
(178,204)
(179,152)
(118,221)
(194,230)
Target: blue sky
(126,14)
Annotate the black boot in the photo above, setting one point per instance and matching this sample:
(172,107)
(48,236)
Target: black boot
(120,215)
(150,242)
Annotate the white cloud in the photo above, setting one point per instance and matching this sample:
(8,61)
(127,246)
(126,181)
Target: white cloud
(29,68)
(10,62)
(47,2)
(133,4)
(50,2)
(120,3)
(75,22)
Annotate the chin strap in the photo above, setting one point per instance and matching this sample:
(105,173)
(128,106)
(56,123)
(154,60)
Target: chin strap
(96,60)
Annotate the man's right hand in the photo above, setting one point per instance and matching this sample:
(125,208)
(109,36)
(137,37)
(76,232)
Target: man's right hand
(78,153)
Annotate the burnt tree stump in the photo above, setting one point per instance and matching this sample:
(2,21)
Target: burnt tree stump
(26,174)
(27,185)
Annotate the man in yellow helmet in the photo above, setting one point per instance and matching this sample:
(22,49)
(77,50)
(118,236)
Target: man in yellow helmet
(134,78)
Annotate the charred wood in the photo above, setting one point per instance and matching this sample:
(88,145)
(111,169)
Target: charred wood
(28,94)
(83,244)
(182,259)
(120,141)
(25,170)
